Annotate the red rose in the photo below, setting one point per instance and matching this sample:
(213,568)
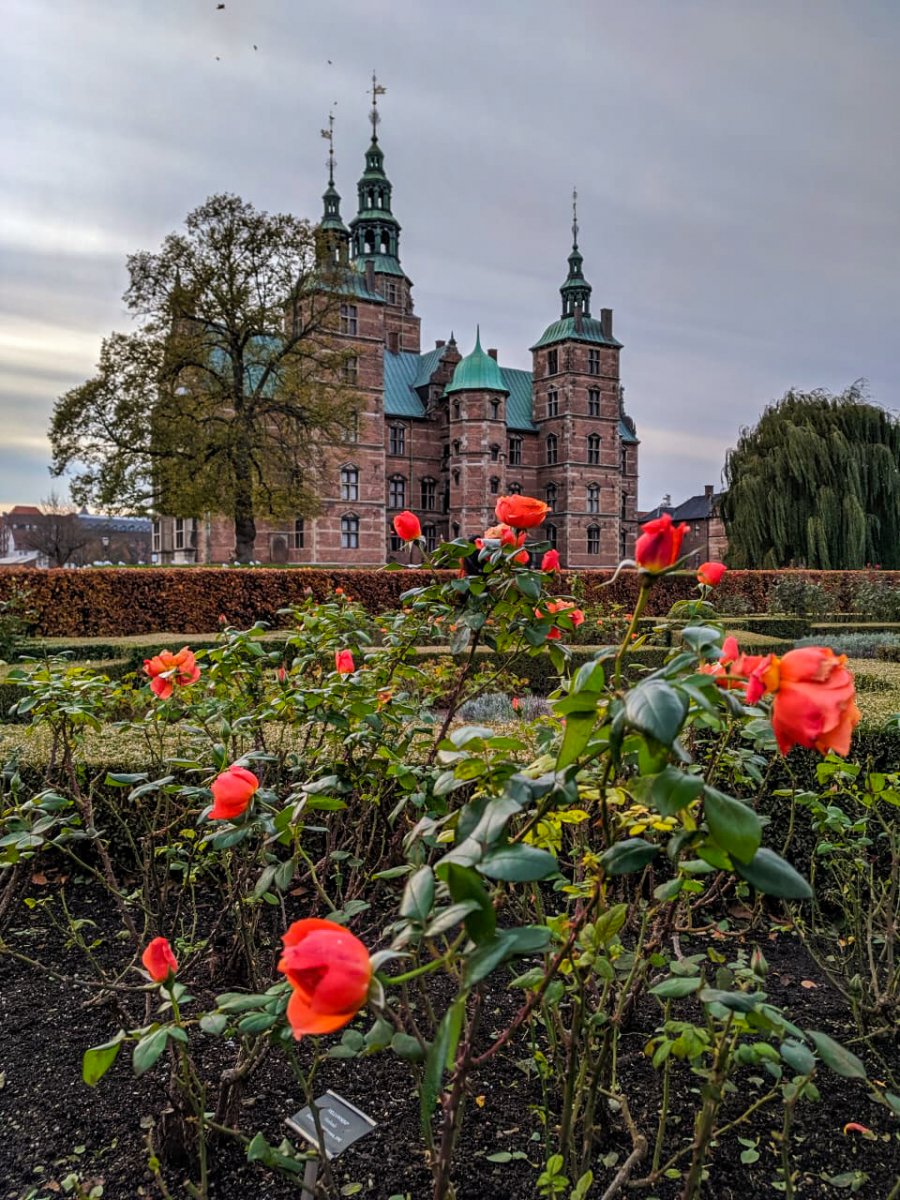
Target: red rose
(343,662)
(522,512)
(659,545)
(523,558)
(515,703)
(167,669)
(550,561)
(711,573)
(815,700)
(329,971)
(407,527)
(232,792)
(159,960)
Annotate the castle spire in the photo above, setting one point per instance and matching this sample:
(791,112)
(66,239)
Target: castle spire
(576,291)
(375,230)
(334,233)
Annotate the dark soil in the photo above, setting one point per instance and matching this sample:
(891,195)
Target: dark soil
(54,1127)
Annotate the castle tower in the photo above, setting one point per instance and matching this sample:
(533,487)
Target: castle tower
(333,236)
(587,450)
(477,425)
(375,243)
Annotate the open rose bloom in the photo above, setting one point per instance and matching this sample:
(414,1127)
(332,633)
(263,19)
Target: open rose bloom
(814,697)
(329,971)
(521,512)
(168,671)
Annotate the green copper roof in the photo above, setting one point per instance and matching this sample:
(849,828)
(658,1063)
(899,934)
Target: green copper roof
(518,403)
(628,435)
(428,364)
(564,331)
(477,372)
(400,374)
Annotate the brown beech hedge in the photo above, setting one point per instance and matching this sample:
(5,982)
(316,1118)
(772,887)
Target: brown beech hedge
(111,601)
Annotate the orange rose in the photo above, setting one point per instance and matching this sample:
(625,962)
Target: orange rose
(711,573)
(522,512)
(505,536)
(407,527)
(659,545)
(159,960)
(550,561)
(815,700)
(232,792)
(329,971)
(167,669)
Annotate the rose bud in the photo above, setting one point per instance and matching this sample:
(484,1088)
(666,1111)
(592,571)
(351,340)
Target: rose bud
(659,545)
(329,971)
(343,662)
(232,792)
(407,527)
(159,960)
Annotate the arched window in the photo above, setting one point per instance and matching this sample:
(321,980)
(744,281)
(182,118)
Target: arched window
(369,245)
(495,485)
(552,448)
(385,243)
(495,453)
(593,498)
(397,492)
(429,494)
(550,532)
(515,451)
(349,483)
(593,539)
(552,494)
(397,439)
(514,488)
(350,532)
(593,448)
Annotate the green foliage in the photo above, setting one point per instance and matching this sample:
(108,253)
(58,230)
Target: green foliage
(815,484)
(794,594)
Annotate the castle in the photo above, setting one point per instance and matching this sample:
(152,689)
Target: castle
(444,434)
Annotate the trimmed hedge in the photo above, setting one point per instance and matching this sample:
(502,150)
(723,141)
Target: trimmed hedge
(68,603)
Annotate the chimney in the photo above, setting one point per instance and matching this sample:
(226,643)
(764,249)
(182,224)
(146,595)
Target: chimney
(606,322)
(370,275)
(579,319)
(393,341)
(492,353)
(439,344)
(708,491)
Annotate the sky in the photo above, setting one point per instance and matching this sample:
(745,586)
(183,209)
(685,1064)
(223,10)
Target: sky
(737,165)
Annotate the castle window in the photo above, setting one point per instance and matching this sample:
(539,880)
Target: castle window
(349,483)
(350,532)
(553,403)
(397,492)
(623,543)
(515,489)
(593,449)
(369,244)
(495,485)
(353,428)
(552,449)
(495,410)
(455,410)
(395,541)
(397,439)
(495,453)
(385,244)
(297,538)
(350,369)
(370,197)
(349,321)
(593,539)
(457,445)
(593,362)
(593,402)
(552,362)
(456,477)
(429,494)
(624,460)
(431,537)
(157,536)
(550,532)
(184,533)
(455,529)
(515,451)
(390,293)
(625,509)
(552,494)
(593,498)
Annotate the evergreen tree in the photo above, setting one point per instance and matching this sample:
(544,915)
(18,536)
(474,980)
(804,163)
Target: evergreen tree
(231,395)
(815,484)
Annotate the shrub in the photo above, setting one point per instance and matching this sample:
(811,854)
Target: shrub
(794,594)
(855,644)
(876,598)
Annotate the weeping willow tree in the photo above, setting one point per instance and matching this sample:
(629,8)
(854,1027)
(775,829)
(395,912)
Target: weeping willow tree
(815,484)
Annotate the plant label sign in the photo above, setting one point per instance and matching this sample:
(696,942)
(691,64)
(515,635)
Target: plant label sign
(342,1123)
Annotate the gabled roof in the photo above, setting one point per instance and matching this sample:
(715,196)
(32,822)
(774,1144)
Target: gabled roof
(400,374)
(518,402)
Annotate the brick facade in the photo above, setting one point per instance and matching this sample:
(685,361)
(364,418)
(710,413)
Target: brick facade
(434,439)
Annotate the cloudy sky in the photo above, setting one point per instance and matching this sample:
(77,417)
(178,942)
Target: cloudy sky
(738,167)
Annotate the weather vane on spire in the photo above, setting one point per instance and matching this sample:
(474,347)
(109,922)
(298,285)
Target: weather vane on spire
(377,90)
(328,134)
(574,216)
